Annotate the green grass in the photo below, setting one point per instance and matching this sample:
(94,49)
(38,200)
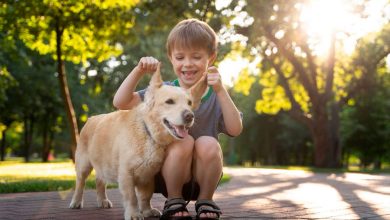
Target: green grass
(16,176)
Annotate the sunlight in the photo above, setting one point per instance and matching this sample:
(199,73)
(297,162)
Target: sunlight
(373,198)
(36,170)
(230,69)
(259,189)
(321,18)
(316,201)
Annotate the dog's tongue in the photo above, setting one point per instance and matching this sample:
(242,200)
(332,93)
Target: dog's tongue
(181,131)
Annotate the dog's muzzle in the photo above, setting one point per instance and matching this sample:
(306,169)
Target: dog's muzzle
(188,117)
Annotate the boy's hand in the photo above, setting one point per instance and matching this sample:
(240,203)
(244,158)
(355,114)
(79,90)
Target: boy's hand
(214,79)
(147,65)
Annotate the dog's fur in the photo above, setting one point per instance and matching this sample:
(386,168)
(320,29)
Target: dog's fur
(128,146)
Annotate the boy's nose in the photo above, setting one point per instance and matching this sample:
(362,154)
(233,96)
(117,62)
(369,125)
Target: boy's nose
(187,62)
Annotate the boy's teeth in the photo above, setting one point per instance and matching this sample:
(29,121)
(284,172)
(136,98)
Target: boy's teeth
(188,72)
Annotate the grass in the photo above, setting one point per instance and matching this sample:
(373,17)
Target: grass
(17,176)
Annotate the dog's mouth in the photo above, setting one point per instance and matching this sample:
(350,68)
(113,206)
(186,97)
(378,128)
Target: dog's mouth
(178,131)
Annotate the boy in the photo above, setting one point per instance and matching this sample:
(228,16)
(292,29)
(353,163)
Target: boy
(193,166)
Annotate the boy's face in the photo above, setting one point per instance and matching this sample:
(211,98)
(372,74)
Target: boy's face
(190,64)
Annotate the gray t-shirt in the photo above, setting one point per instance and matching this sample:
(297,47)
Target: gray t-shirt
(208,117)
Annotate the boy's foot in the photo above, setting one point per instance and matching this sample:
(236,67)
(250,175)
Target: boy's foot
(175,209)
(207,209)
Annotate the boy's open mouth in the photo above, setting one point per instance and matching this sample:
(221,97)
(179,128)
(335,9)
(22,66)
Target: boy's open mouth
(189,74)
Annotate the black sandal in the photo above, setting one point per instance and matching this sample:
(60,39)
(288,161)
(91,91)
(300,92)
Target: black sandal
(173,206)
(206,206)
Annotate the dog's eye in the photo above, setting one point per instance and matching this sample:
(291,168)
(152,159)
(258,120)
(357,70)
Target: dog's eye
(189,102)
(170,102)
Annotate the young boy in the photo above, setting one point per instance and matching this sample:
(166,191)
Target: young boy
(193,166)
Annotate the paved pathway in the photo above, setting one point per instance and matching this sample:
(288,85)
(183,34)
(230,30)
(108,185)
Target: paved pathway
(251,194)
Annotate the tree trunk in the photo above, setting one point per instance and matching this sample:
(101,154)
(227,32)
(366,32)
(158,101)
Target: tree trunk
(28,133)
(335,131)
(377,164)
(45,142)
(3,142)
(326,149)
(72,120)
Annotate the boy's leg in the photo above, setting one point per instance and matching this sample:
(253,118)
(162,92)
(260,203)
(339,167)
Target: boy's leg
(176,169)
(208,159)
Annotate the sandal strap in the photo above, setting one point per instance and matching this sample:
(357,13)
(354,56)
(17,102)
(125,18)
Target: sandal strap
(173,206)
(204,205)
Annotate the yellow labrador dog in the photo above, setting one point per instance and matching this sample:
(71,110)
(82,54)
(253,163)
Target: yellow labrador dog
(128,147)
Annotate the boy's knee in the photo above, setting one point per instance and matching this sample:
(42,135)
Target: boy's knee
(181,148)
(207,148)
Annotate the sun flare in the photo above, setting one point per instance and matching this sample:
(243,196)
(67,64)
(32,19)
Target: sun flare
(322,18)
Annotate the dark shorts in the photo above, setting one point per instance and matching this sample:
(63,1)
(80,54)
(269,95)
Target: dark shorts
(190,190)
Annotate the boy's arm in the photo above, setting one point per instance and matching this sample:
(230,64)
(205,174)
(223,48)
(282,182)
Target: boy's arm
(231,115)
(126,97)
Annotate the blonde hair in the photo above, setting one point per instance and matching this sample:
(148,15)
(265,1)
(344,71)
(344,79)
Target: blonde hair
(192,33)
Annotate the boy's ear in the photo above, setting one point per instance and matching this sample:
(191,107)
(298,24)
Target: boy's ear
(197,91)
(156,81)
(212,58)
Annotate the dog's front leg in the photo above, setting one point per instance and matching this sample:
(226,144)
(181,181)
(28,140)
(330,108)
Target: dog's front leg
(127,188)
(145,193)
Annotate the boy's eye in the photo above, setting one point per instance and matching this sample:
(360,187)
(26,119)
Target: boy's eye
(189,102)
(179,58)
(170,102)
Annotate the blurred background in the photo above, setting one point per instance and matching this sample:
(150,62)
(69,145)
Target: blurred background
(312,77)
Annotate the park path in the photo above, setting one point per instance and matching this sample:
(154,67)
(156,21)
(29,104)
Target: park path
(251,194)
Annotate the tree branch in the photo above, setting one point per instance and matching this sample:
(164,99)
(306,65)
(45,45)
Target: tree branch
(312,66)
(303,76)
(296,110)
(330,68)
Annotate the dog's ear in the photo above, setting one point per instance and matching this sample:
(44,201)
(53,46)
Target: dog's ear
(156,81)
(197,91)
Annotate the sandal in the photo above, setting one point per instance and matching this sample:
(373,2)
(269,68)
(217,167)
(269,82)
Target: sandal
(206,206)
(173,206)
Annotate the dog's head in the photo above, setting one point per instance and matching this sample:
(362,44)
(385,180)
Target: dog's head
(169,108)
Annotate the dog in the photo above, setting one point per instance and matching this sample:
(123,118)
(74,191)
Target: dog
(128,146)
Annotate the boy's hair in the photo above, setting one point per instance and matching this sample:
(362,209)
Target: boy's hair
(192,33)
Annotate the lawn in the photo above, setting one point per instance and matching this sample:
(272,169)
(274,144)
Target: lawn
(16,176)
(36,177)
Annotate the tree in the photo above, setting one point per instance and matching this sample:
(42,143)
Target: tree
(311,89)
(70,31)
(366,124)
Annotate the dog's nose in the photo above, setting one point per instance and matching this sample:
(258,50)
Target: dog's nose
(188,116)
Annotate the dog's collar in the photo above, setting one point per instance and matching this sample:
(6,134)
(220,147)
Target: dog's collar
(148,131)
(204,98)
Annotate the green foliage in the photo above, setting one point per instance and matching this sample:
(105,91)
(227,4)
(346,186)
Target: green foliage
(6,82)
(89,29)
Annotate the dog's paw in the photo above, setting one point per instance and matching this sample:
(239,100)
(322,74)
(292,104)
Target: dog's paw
(76,204)
(151,213)
(134,216)
(105,203)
